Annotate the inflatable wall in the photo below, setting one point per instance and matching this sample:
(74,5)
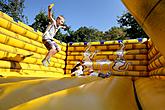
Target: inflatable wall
(134,56)
(21,51)
(156,61)
(136,82)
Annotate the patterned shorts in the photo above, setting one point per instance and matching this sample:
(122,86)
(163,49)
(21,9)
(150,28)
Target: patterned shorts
(49,44)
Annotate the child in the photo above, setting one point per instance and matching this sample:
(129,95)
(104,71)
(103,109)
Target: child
(78,69)
(50,32)
(120,61)
(87,58)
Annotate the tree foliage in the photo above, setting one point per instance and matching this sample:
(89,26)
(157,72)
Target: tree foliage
(14,8)
(41,21)
(87,34)
(133,29)
(62,37)
(129,28)
(83,34)
(115,33)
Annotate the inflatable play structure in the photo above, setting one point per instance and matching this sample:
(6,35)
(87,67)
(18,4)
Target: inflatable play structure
(137,67)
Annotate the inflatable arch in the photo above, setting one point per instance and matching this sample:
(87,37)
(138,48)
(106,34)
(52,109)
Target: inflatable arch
(25,84)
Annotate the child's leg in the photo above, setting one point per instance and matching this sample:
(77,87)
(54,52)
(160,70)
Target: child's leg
(55,48)
(102,75)
(48,56)
(52,50)
(50,53)
(108,74)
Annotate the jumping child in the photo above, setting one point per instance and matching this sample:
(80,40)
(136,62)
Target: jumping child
(50,32)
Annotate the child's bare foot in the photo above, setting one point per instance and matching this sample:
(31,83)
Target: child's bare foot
(44,63)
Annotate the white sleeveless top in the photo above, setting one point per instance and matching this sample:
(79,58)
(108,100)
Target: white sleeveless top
(51,31)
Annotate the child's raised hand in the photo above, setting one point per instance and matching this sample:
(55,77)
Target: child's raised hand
(51,6)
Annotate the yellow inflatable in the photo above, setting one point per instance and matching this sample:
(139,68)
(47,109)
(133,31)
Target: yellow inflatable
(150,15)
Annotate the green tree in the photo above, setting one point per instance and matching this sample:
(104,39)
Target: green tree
(41,21)
(14,8)
(85,34)
(61,37)
(70,36)
(133,29)
(115,33)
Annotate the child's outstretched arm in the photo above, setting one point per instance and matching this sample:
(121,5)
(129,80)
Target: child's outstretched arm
(94,53)
(50,16)
(88,47)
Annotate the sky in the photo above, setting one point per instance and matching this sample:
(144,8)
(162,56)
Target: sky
(99,14)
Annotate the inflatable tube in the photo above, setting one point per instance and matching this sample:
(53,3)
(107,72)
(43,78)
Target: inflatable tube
(150,93)
(150,15)
(5,16)
(42,87)
(88,97)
